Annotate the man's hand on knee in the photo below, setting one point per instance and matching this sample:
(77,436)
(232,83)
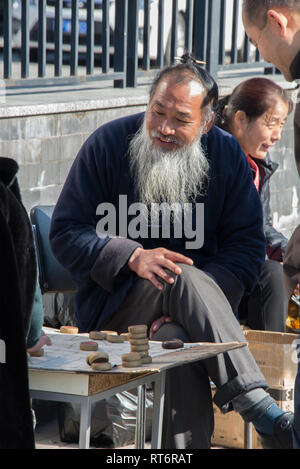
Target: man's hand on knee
(151,264)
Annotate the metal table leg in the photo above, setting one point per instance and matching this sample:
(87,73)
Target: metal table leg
(140,427)
(248,435)
(85,423)
(158,409)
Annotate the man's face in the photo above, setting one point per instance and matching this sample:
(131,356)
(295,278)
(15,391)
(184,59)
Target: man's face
(271,45)
(174,115)
(168,162)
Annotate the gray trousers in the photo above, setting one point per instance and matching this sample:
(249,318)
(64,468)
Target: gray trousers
(200,313)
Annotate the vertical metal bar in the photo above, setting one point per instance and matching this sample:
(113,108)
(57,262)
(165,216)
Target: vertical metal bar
(160,43)
(246,51)
(189,25)
(248,435)
(234,52)
(146,36)
(257,55)
(90,32)
(140,427)
(173,48)
(213,37)
(222,32)
(158,409)
(42,39)
(74,38)
(58,39)
(120,41)
(200,29)
(132,45)
(25,39)
(7,38)
(85,423)
(105,36)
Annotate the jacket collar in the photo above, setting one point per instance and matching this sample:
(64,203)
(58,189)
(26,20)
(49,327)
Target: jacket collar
(267,164)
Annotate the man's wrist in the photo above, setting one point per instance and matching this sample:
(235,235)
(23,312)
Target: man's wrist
(133,257)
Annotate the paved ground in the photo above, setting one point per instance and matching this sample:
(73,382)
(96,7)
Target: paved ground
(47,437)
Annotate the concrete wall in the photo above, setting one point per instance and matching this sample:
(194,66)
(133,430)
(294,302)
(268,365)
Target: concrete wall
(44,140)
(46,145)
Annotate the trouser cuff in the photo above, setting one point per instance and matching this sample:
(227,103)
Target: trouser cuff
(239,385)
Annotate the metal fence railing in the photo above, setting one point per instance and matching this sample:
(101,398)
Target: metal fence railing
(119,40)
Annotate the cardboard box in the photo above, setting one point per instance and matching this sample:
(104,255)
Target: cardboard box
(275,354)
(230,427)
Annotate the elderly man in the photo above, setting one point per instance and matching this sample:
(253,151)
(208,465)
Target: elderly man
(179,241)
(274,27)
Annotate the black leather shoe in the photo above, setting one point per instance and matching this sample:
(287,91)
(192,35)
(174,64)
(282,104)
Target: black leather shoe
(282,437)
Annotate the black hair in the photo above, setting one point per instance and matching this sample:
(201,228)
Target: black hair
(253,96)
(256,10)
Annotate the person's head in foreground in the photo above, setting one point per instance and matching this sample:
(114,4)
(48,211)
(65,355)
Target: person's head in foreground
(273,26)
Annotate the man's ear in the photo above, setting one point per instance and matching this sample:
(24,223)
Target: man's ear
(279,21)
(209,125)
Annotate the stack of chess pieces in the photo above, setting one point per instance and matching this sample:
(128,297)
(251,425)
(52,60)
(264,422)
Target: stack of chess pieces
(139,347)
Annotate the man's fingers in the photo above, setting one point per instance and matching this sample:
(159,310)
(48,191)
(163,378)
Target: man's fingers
(177,257)
(164,275)
(156,325)
(168,319)
(155,282)
(170,265)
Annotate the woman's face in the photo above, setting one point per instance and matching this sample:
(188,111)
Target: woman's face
(256,137)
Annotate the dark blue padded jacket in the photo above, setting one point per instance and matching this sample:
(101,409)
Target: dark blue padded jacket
(234,245)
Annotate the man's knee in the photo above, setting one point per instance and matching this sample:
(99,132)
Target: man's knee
(188,272)
(191,274)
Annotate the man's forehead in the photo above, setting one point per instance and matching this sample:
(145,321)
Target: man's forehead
(194,87)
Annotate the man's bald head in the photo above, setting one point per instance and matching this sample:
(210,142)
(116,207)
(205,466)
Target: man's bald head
(256,10)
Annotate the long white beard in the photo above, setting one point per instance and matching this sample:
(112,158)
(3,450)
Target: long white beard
(173,177)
